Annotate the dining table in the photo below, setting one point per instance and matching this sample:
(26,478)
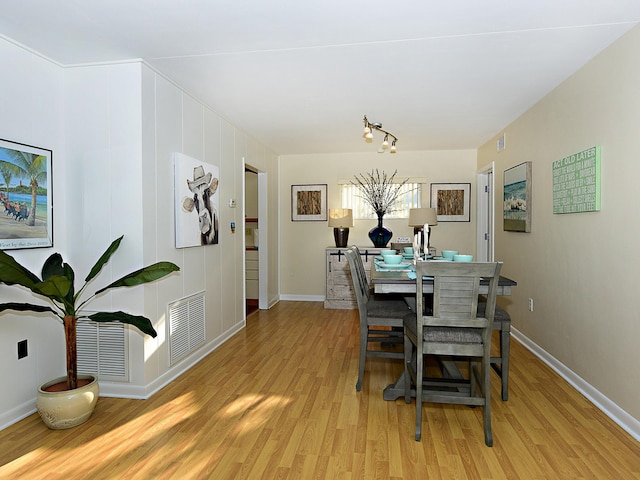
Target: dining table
(402,280)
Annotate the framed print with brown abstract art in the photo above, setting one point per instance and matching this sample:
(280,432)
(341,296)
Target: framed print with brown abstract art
(309,203)
(452,201)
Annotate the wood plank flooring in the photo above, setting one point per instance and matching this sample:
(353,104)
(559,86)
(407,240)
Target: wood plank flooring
(278,401)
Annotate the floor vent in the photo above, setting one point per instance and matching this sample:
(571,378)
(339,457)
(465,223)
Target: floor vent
(186,326)
(102,349)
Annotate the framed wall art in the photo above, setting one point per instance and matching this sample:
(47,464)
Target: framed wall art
(517,198)
(309,202)
(452,201)
(576,182)
(197,202)
(26,200)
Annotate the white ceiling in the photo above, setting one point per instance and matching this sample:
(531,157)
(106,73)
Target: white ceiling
(298,76)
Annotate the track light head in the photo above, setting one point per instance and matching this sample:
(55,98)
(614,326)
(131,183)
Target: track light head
(367,133)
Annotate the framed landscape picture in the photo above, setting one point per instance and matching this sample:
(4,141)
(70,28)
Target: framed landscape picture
(309,202)
(516,209)
(26,201)
(452,201)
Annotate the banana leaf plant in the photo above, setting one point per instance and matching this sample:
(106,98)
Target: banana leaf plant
(57,285)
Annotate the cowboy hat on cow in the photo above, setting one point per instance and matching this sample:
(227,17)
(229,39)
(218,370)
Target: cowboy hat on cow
(199,178)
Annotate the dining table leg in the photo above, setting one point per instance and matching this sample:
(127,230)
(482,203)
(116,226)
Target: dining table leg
(396,390)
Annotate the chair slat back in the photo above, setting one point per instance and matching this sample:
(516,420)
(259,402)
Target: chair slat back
(455,292)
(360,265)
(359,279)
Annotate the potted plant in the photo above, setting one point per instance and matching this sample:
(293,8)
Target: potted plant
(57,286)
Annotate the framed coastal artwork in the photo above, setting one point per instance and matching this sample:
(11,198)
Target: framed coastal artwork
(309,202)
(516,208)
(452,201)
(26,200)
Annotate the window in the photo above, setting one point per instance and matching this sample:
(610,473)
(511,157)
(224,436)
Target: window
(409,198)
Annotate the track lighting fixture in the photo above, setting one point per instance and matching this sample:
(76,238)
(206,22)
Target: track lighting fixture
(367,133)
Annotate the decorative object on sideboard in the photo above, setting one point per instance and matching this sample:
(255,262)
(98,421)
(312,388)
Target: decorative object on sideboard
(341,219)
(367,133)
(422,219)
(381,193)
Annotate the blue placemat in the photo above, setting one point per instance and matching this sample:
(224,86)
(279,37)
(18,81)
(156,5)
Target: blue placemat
(412,276)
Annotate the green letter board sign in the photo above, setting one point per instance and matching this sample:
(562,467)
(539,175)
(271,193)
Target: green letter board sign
(576,182)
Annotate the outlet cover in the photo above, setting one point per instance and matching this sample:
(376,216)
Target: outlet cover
(22,349)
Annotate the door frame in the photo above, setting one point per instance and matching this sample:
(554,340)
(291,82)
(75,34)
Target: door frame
(485,214)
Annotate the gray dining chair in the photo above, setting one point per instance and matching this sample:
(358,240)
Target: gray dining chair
(452,329)
(381,316)
(500,364)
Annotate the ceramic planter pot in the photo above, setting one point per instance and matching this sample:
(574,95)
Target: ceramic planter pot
(67,408)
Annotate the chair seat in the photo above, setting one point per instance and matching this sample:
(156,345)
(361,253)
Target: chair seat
(467,336)
(382,308)
(500,315)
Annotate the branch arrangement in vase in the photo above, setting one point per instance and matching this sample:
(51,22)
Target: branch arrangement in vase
(379,190)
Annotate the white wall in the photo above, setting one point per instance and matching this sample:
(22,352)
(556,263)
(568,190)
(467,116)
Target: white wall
(581,269)
(303,243)
(31,112)
(113,130)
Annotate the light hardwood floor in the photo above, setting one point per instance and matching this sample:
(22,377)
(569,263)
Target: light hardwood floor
(279,401)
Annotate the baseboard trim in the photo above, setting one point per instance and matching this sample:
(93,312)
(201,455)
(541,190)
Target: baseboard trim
(303,298)
(608,407)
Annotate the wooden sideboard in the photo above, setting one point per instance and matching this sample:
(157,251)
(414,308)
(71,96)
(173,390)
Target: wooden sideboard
(339,291)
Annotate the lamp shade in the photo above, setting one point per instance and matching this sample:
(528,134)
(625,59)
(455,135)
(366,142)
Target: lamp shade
(340,218)
(419,216)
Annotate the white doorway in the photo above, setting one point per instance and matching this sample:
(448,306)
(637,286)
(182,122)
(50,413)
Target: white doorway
(485,214)
(256,249)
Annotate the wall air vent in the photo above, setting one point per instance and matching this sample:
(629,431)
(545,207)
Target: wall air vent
(102,350)
(186,327)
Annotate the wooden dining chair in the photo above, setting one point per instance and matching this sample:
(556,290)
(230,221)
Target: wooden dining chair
(452,329)
(381,316)
(500,363)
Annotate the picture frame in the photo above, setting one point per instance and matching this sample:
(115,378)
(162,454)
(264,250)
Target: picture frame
(452,201)
(309,203)
(516,207)
(197,202)
(26,196)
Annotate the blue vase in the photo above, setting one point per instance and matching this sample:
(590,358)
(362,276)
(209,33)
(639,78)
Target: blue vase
(380,235)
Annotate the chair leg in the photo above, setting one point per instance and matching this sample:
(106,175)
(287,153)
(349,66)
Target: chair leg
(408,358)
(505,345)
(486,392)
(364,337)
(473,381)
(419,380)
